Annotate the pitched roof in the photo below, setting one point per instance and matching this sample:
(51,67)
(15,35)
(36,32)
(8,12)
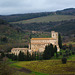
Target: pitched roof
(19,48)
(43,39)
(40,43)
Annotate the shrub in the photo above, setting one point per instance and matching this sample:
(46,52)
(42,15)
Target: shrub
(64,55)
(60,53)
(5,69)
(57,55)
(70,46)
(64,60)
(70,54)
(73,52)
(2,55)
(67,54)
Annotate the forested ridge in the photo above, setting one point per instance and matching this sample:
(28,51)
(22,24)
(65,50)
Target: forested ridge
(60,26)
(19,17)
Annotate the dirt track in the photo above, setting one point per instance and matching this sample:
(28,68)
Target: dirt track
(25,70)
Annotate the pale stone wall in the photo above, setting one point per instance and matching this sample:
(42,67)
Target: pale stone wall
(16,51)
(38,44)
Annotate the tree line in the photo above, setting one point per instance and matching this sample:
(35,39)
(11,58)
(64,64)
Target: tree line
(19,17)
(47,54)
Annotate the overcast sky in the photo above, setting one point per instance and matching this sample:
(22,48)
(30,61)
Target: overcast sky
(31,6)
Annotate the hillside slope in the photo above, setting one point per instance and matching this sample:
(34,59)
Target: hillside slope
(11,37)
(68,11)
(52,18)
(20,17)
(60,26)
(15,36)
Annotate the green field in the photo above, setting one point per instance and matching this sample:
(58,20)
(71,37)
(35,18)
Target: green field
(48,67)
(73,43)
(52,18)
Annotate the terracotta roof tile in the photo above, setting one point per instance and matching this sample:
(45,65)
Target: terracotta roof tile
(19,48)
(40,43)
(43,39)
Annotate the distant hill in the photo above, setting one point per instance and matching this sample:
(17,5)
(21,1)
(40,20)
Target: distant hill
(52,18)
(19,17)
(69,11)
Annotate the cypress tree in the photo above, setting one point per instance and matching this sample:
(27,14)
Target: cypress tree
(48,52)
(33,57)
(28,57)
(21,56)
(51,50)
(60,41)
(37,55)
(14,57)
(70,46)
(55,49)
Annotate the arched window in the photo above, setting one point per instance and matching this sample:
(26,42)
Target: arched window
(53,34)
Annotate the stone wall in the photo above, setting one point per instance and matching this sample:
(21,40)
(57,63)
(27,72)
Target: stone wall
(16,51)
(38,44)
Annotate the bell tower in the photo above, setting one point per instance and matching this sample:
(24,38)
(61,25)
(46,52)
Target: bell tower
(54,35)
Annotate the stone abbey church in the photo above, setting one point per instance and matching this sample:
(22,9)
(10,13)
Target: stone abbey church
(38,44)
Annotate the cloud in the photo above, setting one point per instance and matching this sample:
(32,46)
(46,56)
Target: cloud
(28,6)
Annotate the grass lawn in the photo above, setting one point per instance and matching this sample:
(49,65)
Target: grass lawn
(72,58)
(48,67)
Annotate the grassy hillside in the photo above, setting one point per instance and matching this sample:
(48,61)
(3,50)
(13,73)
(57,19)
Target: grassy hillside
(49,67)
(19,17)
(52,18)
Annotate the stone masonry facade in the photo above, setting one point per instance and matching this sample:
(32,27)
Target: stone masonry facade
(38,44)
